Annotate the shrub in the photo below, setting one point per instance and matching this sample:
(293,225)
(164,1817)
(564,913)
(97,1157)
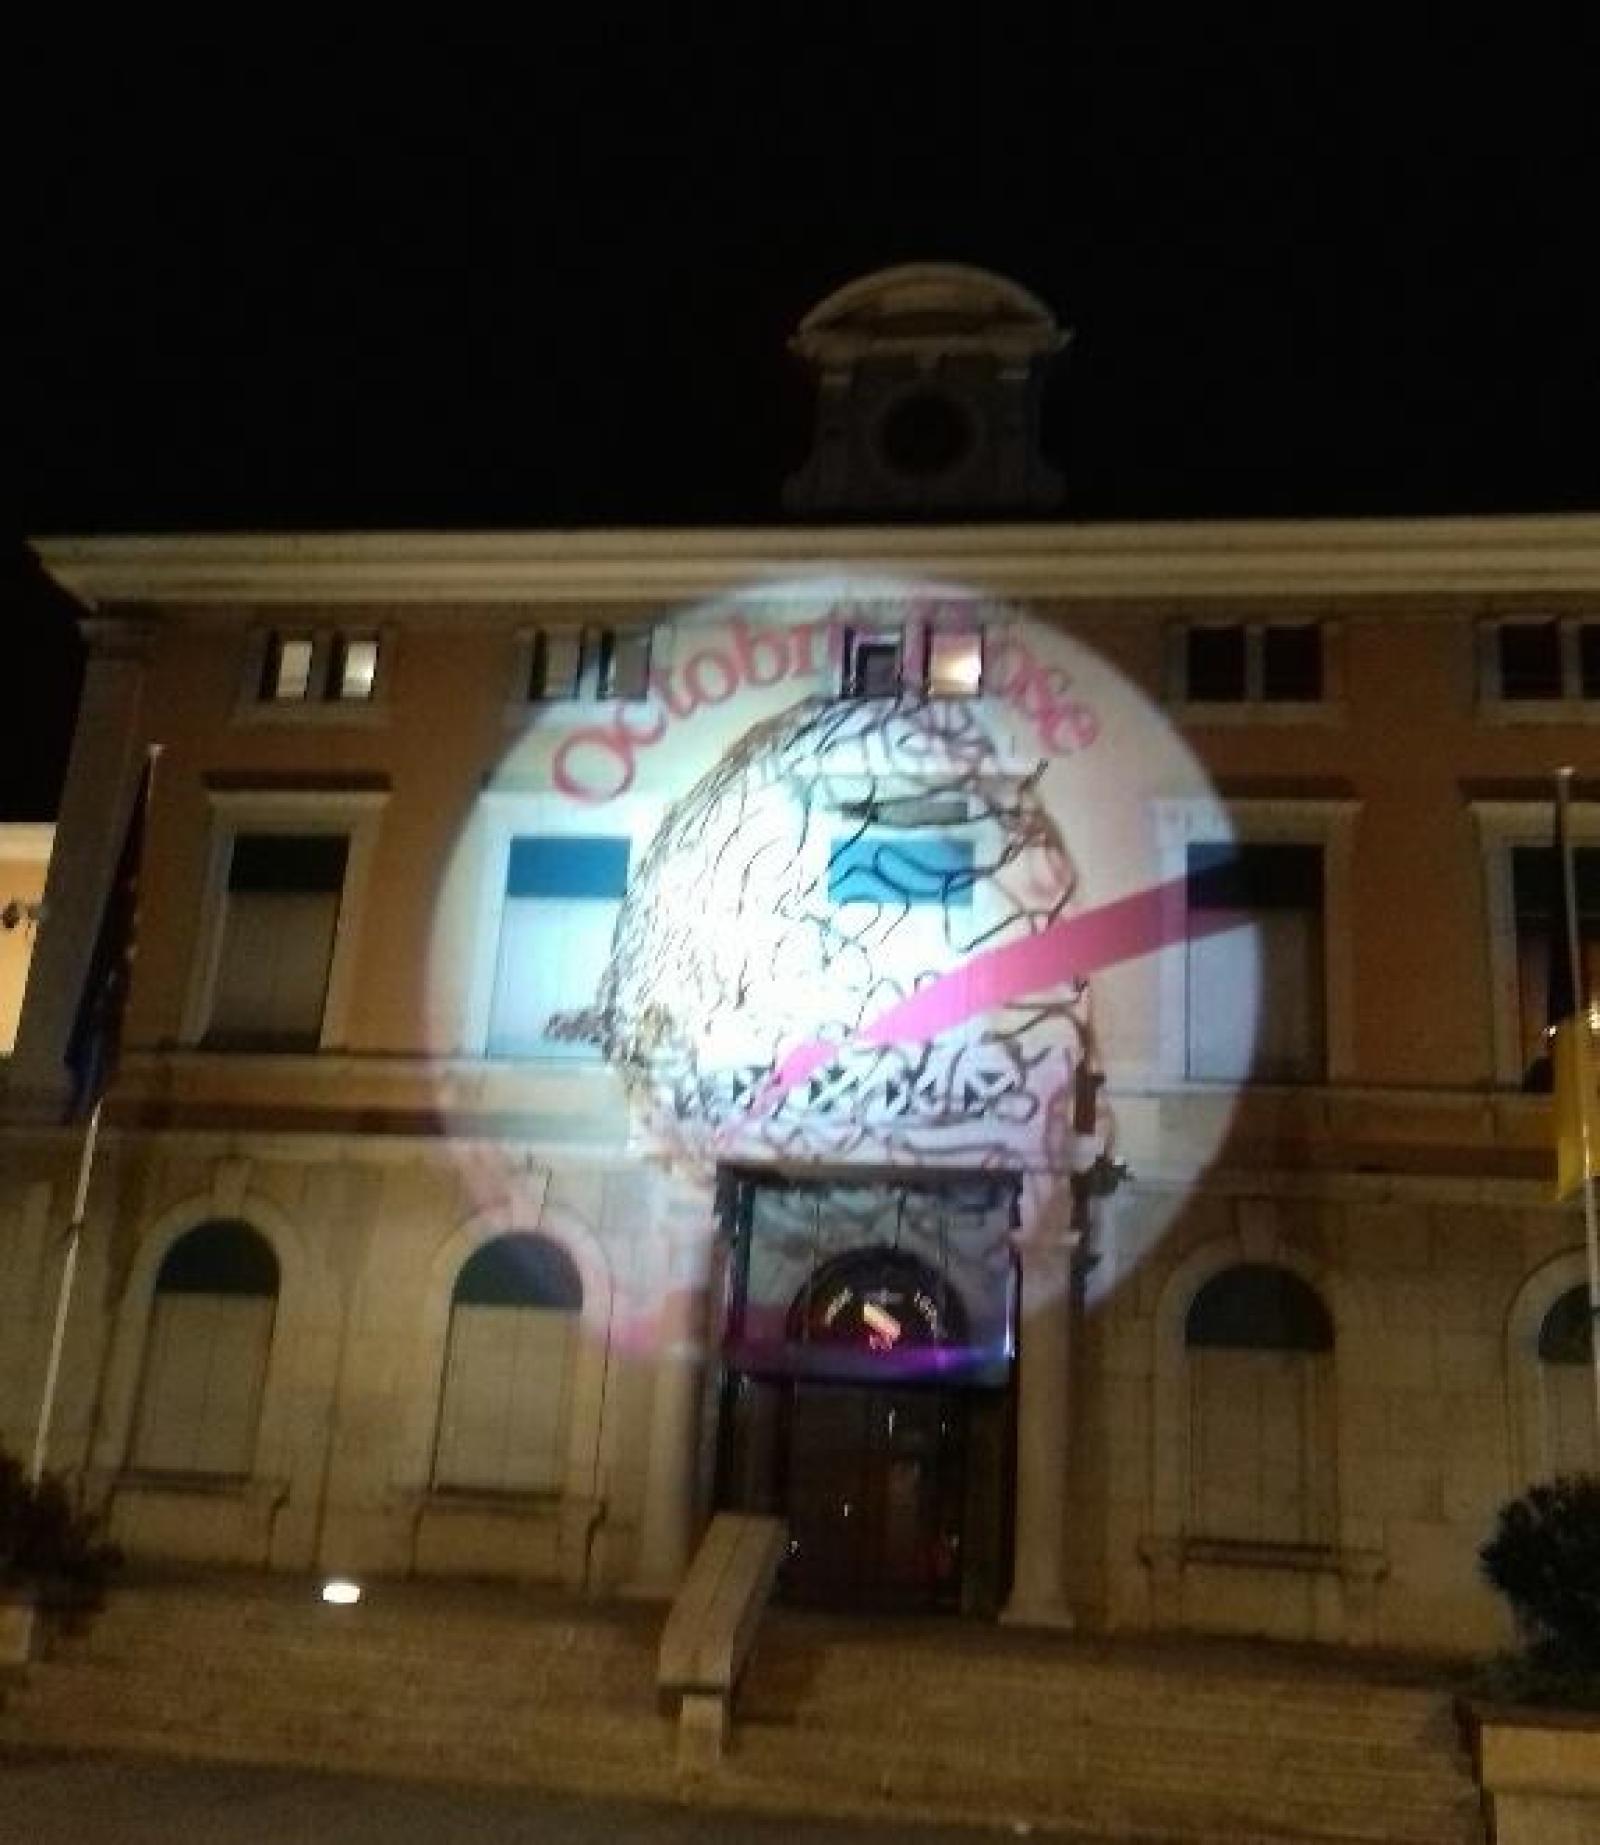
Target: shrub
(46,1543)
(1545,1559)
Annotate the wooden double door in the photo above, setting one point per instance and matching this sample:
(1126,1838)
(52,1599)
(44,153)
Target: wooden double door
(896,1498)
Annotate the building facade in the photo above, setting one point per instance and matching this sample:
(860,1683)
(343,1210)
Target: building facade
(1015,1046)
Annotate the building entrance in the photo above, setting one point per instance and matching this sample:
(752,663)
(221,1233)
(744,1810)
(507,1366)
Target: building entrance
(897,1500)
(871,1409)
(876,1496)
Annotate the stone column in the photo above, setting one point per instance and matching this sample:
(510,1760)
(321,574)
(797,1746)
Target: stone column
(668,1525)
(1038,1592)
(107,751)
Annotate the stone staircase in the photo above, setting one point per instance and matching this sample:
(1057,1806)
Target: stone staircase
(1199,1742)
(1222,1742)
(455,1682)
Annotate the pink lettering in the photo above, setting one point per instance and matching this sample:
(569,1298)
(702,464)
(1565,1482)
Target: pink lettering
(609,739)
(751,650)
(600,762)
(640,738)
(661,684)
(696,672)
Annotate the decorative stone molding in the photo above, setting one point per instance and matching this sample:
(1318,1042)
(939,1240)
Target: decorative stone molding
(301,1280)
(1342,1584)
(579,1502)
(233,577)
(1340,1579)
(1525,1383)
(133,1495)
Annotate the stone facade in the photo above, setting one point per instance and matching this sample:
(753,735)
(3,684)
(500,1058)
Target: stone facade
(1400,1175)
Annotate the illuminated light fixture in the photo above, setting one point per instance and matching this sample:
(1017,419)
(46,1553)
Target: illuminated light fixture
(341,1592)
(884,1326)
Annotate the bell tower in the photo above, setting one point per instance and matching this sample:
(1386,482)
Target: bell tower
(929,379)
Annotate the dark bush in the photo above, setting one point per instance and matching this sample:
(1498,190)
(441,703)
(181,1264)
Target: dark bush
(47,1544)
(1545,1559)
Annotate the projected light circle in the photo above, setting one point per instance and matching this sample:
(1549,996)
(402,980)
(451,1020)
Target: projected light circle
(847,933)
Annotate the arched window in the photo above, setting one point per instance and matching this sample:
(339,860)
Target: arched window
(1260,1360)
(1566,1383)
(508,1368)
(205,1359)
(880,1300)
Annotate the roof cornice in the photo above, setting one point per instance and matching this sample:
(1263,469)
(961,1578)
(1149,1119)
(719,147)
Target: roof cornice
(1557,552)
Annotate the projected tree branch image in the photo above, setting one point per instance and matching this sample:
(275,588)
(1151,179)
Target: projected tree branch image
(844,882)
(840,860)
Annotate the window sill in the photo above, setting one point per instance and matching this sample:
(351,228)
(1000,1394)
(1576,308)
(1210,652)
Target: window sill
(319,714)
(1196,713)
(555,1055)
(241,1486)
(1166,1554)
(570,713)
(1507,711)
(533,1502)
(248,1047)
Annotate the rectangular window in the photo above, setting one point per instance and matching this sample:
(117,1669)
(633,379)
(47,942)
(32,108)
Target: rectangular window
(503,1420)
(873,663)
(1256,974)
(1537,894)
(589,663)
(955,663)
(1542,664)
(200,1398)
(354,677)
(562,896)
(279,918)
(883,867)
(1530,659)
(623,663)
(1291,664)
(1215,661)
(557,655)
(906,897)
(1238,663)
(287,676)
(317,670)
(1589,659)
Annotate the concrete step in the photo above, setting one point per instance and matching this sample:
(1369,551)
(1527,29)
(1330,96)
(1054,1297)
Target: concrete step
(1189,1742)
(1106,1763)
(557,1761)
(1187,1739)
(59,1686)
(932,1788)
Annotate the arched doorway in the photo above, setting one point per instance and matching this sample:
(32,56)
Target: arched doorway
(876,1473)
(879,1429)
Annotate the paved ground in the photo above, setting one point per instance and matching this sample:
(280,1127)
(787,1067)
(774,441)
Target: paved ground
(51,1799)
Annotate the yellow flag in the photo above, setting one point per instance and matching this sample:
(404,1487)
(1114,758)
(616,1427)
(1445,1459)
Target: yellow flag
(1577,1086)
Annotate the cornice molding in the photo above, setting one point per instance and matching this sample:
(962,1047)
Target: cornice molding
(1348,558)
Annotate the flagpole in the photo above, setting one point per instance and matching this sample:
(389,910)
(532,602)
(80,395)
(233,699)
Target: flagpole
(1586,1106)
(80,1196)
(69,1271)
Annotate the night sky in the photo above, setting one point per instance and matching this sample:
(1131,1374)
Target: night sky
(1313,274)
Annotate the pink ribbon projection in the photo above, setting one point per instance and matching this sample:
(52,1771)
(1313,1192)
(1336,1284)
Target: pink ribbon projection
(1071,948)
